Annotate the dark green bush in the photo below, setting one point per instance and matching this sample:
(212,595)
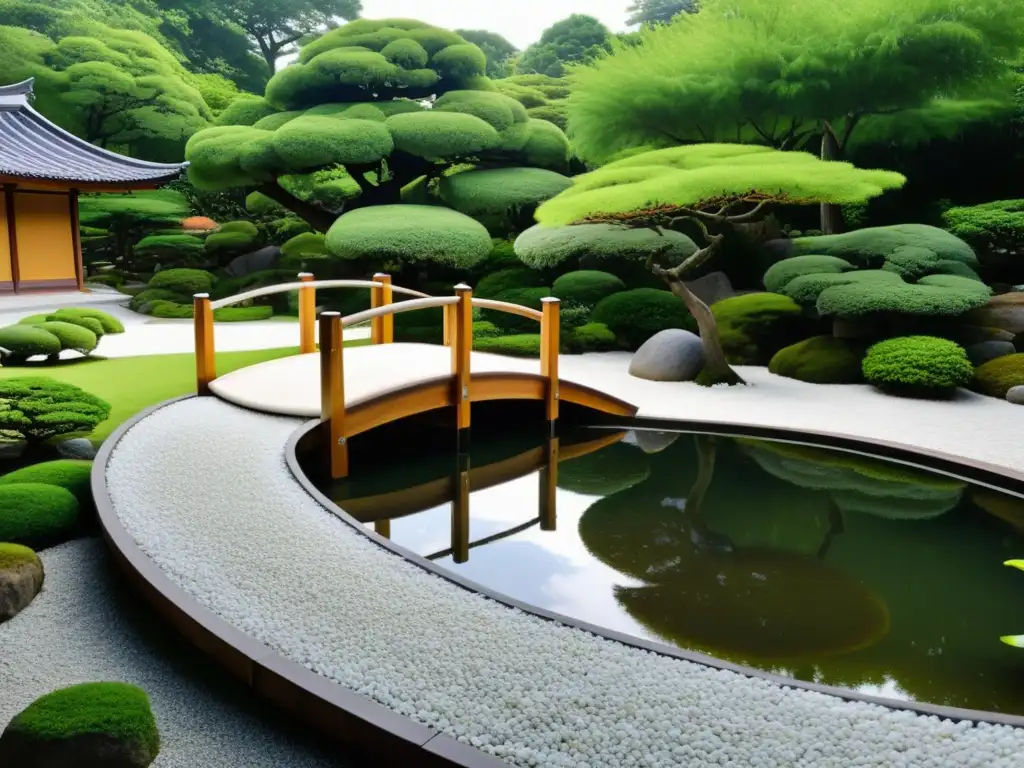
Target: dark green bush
(586,286)
(997,376)
(25,341)
(38,408)
(996,232)
(506,280)
(502,256)
(70,474)
(104,278)
(524,297)
(71,336)
(35,514)
(89,323)
(755,326)
(820,360)
(485,330)
(140,300)
(572,315)
(186,282)
(636,315)
(592,337)
(515,345)
(171,310)
(917,365)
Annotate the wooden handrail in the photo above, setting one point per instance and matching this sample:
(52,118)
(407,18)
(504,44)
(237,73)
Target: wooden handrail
(399,306)
(270,290)
(512,309)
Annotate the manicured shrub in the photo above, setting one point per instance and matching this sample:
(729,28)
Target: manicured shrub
(820,360)
(142,298)
(485,330)
(186,282)
(780,274)
(515,345)
(869,248)
(541,247)
(34,319)
(38,408)
(995,377)
(25,341)
(586,286)
(172,310)
(420,326)
(996,231)
(634,316)
(525,297)
(572,315)
(110,323)
(592,337)
(89,323)
(71,336)
(303,246)
(70,474)
(234,236)
(507,279)
(502,256)
(755,326)
(117,711)
(917,365)
(35,514)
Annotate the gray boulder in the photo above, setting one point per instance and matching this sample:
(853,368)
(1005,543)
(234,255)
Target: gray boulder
(989,350)
(1015,395)
(21,578)
(265,258)
(76,448)
(669,355)
(713,287)
(969,335)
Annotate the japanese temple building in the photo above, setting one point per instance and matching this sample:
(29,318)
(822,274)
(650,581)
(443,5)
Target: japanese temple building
(43,168)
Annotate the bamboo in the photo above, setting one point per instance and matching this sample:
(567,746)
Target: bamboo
(206,368)
(307,314)
(462,348)
(548,486)
(332,393)
(549,343)
(386,323)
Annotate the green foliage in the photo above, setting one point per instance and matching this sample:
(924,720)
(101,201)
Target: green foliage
(781,273)
(36,514)
(37,408)
(173,310)
(313,142)
(496,49)
(91,324)
(996,377)
(524,297)
(755,326)
(577,39)
(409,234)
(658,11)
(636,315)
(25,341)
(870,248)
(508,279)
(247,110)
(591,337)
(500,192)
(542,246)
(117,710)
(305,245)
(139,301)
(73,475)
(820,360)
(586,286)
(152,209)
(917,365)
(441,135)
(497,110)
(515,345)
(857,294)
(994,230)
(186,282)
(180,248)
(70,336)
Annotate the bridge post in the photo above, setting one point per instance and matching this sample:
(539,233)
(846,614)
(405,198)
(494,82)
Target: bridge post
(202,321)
(549,345)
(460,510)
(548,486)
(382,328)
(307,314)
(382,528)
(462,348)
(332,393)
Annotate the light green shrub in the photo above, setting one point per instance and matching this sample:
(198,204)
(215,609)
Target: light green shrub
(89,323)
(917,365)
(25,341)
(515,345)
(185,282)
(755,326)
(820,360)
(71,336)
(72,475)
(110,323)
(592,337)
(35,514)
(139,301)
(38,408)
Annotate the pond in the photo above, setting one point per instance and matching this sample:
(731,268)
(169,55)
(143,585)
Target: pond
(815,564)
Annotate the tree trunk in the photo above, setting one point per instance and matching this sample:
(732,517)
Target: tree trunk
(319,219)
(831,214)
(716,367)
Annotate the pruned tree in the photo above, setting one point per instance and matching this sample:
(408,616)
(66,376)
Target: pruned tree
(578,39)
(658,11)
(497,50)
(713,187)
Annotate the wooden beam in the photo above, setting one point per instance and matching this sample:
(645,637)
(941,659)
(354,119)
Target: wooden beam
(549,486)
(462,349)
(12,234)
(206,367)
(460,511)
(332,393)
(76,239)
(307,314)
(386,323)
(549,344)
(382,528)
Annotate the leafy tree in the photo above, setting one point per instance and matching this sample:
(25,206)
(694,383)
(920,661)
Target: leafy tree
(497,50)
(351,133)
(658,11)
(712,186)
(544,97)
(785,74)
(578,39)
(126,218)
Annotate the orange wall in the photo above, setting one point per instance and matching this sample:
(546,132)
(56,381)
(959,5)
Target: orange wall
(5,242)
(46,250)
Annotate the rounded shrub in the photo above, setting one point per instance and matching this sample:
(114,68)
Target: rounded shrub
(524,297)
(586,286)
(636,315)
(507,279)
(755,326)
(71,336)
(996,377)
(34,513)
(38,408)
(820,360)
(139,301)
(592,337)
(25,341)
(34,319)
(72,475)
(172,310)
(515,345)
(186,282)
(924,365)
(89,323)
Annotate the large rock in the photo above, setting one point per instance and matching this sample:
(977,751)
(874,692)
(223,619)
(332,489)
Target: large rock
(21,578)
(713,287)
(76,448)
(257,261)
(1015,395)
(969,335)
(669,355)
(980,354)
(1005,311)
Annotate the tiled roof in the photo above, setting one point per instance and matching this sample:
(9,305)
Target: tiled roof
(31,147)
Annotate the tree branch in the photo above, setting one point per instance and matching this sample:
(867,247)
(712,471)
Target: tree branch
(761,133)
(318,218)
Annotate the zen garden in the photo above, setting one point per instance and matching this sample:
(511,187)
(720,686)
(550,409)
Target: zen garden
(528,387)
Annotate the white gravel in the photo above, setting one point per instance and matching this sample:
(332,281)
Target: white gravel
(83,628)
(203,488)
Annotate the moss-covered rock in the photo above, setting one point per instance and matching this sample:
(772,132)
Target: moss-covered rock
(755,326)
(923,365)
(541,247)
(996,377)
(21,578)
(91,725)
(821,360)
(586,286)
(71,336)
(1005,311)
(634,316)
(72,475)
(34,513)
(25,341)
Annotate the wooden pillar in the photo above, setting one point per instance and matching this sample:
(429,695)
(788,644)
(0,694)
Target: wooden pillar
(332,393)
(462,348)
(382,528)
(548,486)
(307,314)
(206,367)
(12,234)
(383,327)
(449,324)
(549,343)
(76,239)
(460,511)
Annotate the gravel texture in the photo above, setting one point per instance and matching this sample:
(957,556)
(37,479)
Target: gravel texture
(85,627)
(203,487)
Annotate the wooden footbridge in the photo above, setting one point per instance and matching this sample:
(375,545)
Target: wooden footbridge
(355,390)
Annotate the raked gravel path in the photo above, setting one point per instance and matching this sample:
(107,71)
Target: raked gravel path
(203,488)
(83,627)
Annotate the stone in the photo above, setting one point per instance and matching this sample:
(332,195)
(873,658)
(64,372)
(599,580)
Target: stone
(21,578)
(712,287)
(76,448)
(1015,395)
(649,440)
(989,350)
(969,335)
(11,449)
(669,355)
(265,258)
(1004,311)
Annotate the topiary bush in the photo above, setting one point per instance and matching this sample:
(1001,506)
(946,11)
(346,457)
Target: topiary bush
(89,323)
(995,231)
(997,376)
(917,365)
(71,336)
(185,282)
(25,341)
(524,297)
(821,360)
(515,345)
(636,315)
(70,474)
(172,310)
(592,337)
(34,319)
(35,514)
(38,408)
(780,274)
(140,300)
(507,279)
(755,326)
(586,286)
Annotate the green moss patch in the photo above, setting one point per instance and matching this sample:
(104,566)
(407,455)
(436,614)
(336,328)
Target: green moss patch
(15,555)
(997,376)
(516,345)
(756,326)
(918,365)
(820,360)
(70,474)
(33,513)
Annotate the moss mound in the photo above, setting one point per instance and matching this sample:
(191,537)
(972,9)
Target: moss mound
(91,324)
(586,286)
(540,247)
(997,376)
(780,274)
(755,326)
(13,555)
(591,337)
(140,300)
(495,191)
(870,247)
(507,279)
(185,282)
(924,365)
(71,336)
(516,345)
(72,475)
(820,360)
(612,469)
(634,316)
(34,513)
(110,323)
(25,341)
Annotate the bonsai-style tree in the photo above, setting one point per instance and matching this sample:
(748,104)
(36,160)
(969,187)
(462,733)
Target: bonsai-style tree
(712,186)
(36,408)
(390,113)
(497,50)
(545,97)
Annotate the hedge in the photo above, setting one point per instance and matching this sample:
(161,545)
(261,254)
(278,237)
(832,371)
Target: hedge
(186,282)
(917,365)
(997,376)
(592,337)
(72,475)
(507,279)
(636,315)
(150,295)
(25,341)
(89,323)
(586,286)
(71,336)
(524,297)
(516,345)
(110,323)
(172,310)
(820,360)
(35,514)
(755,326)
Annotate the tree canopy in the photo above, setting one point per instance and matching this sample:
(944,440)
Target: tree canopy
(658,11)
(577,39)
(497,50)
